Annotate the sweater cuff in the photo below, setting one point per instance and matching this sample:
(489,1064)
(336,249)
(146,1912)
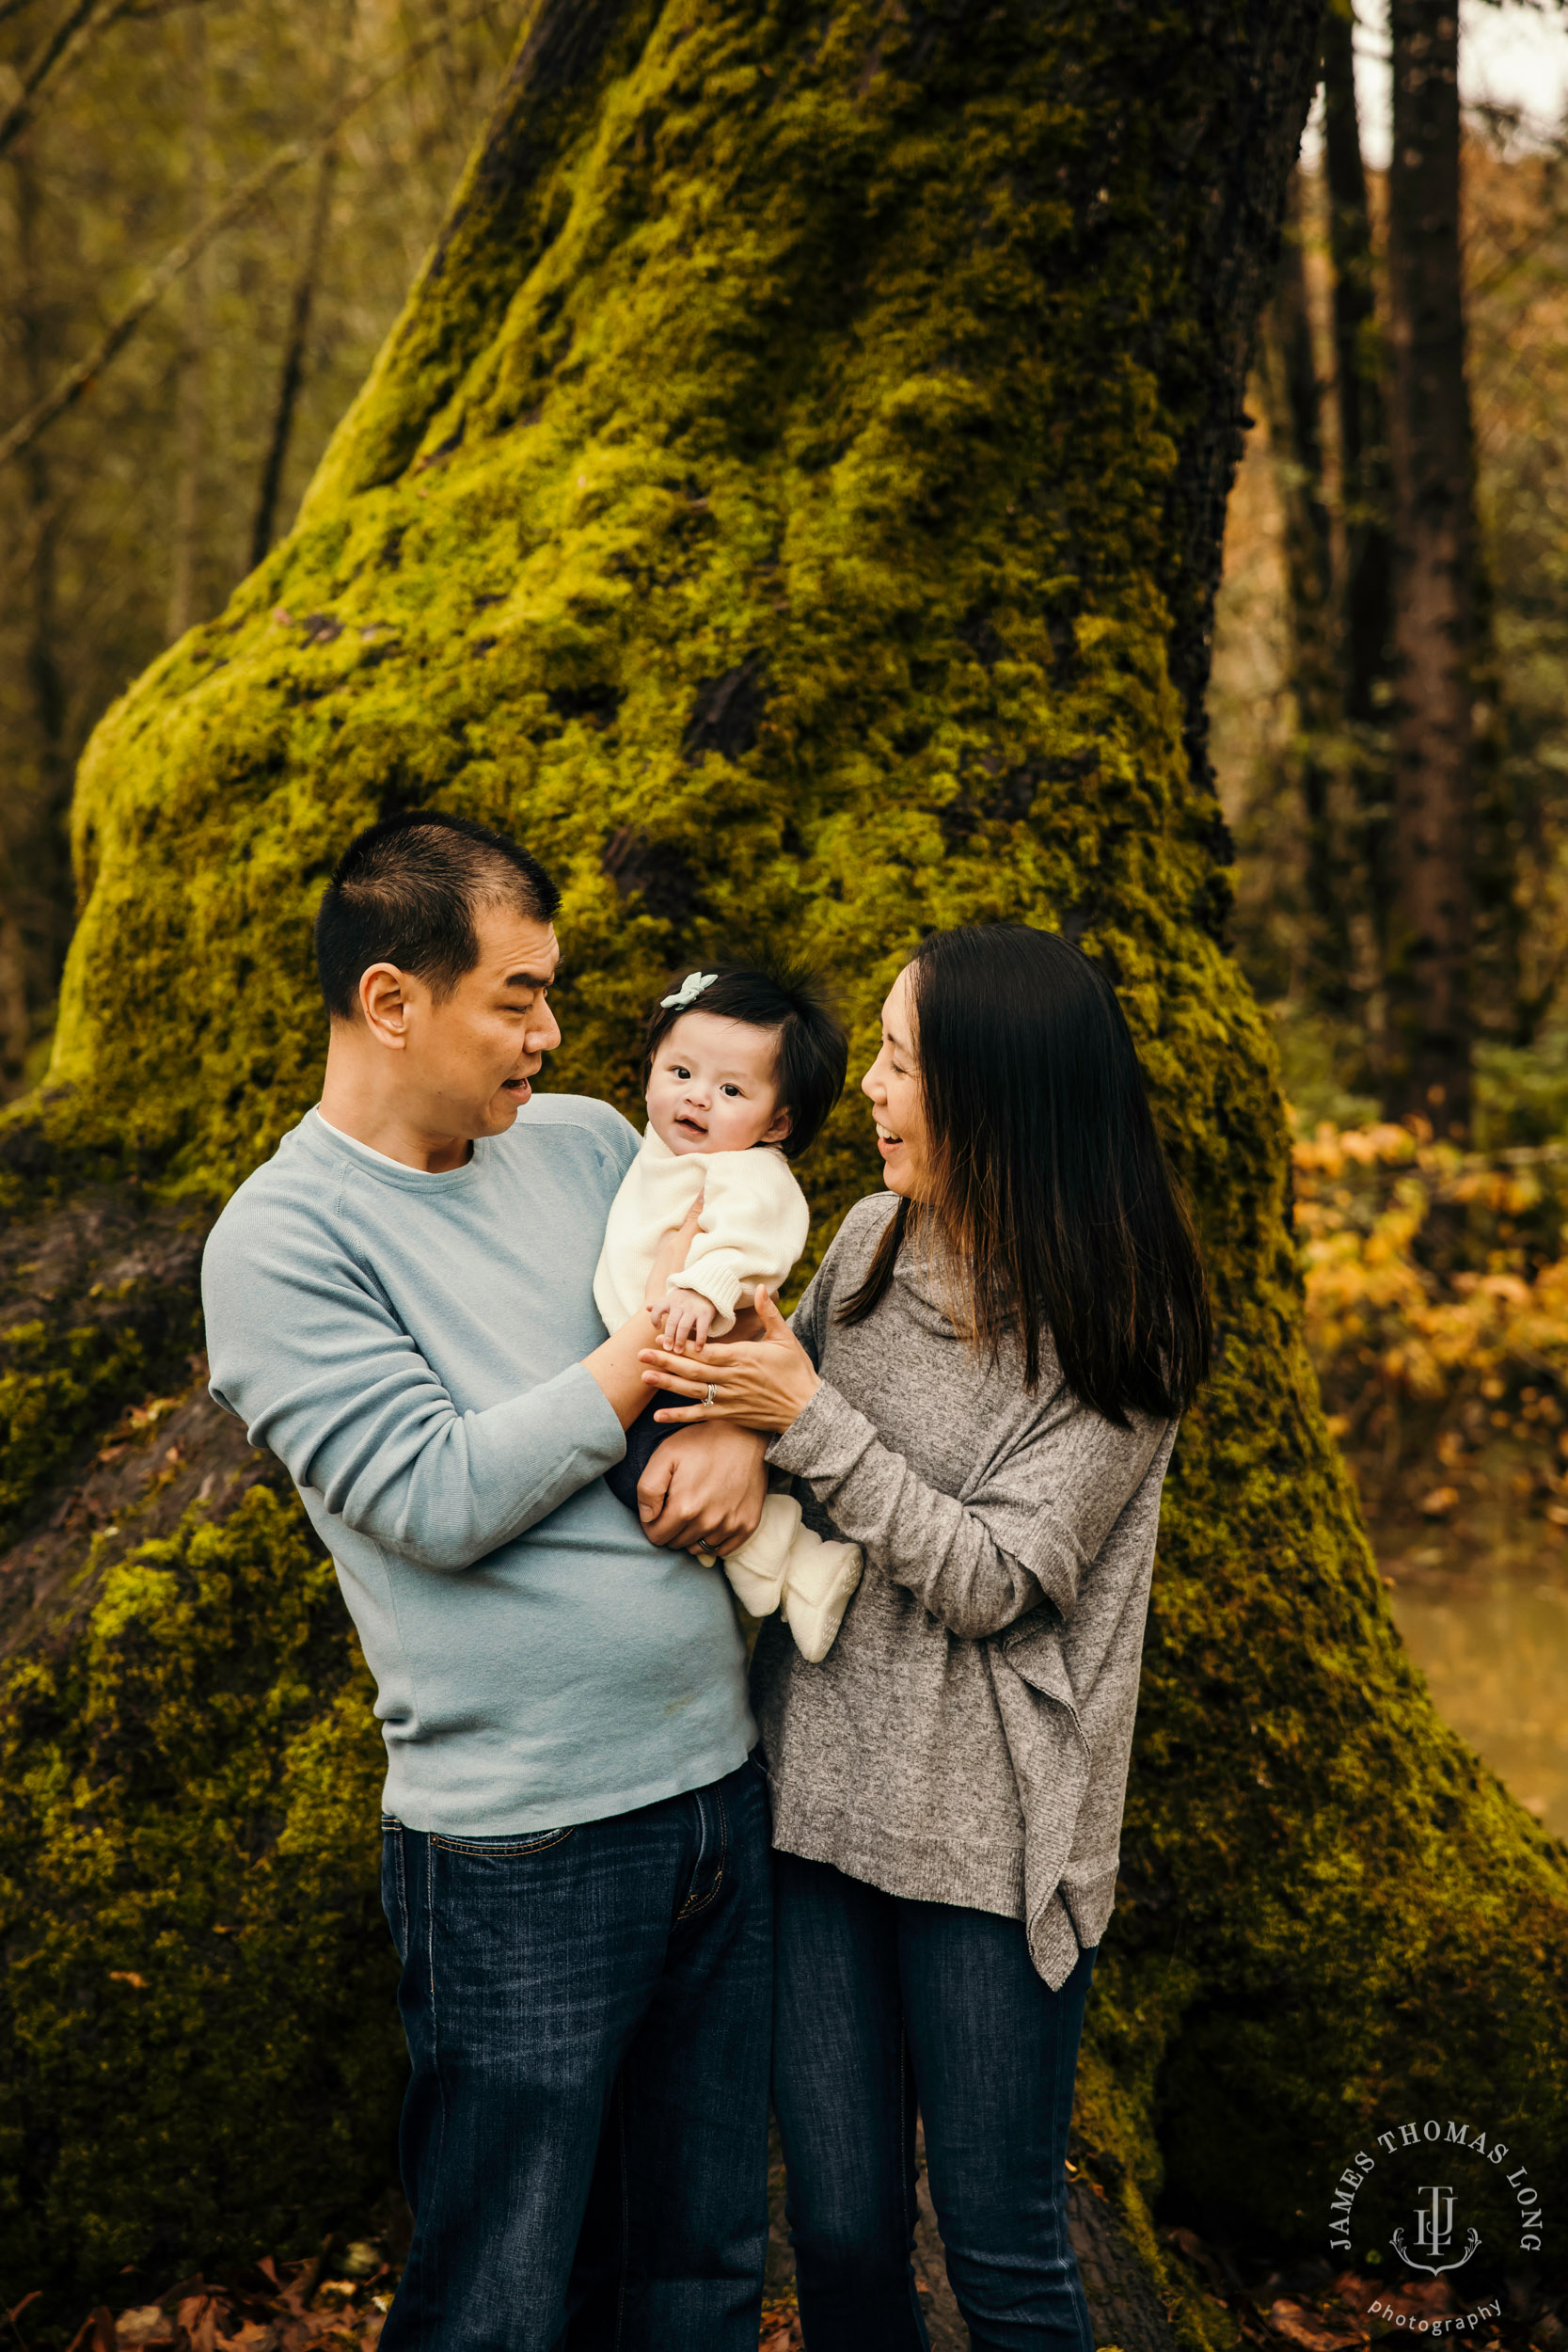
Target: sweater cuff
(594,1423)
(826,1438)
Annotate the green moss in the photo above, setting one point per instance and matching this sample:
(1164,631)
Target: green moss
(197,1994)
(52,1392)
(818,351)
(56,1389)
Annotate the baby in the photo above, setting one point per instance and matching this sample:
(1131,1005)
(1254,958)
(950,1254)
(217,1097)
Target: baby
(741,1069)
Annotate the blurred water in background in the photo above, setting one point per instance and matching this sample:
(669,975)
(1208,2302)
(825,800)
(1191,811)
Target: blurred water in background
(1495,1652)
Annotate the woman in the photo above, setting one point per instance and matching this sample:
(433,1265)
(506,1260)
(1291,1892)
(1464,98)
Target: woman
(981,1387)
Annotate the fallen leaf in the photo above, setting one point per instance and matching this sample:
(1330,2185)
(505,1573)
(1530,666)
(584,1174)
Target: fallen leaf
(128,1976)
(198,2317)
(1299,2326)
(140,2324)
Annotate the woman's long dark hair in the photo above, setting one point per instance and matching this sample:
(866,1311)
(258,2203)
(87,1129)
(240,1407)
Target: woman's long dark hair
(1052,1208)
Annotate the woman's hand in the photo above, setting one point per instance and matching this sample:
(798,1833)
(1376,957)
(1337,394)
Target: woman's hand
(763,1384)
(669,1257)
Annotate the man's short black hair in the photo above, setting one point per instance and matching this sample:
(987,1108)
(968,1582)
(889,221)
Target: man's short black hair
(813,1051)
(406,892)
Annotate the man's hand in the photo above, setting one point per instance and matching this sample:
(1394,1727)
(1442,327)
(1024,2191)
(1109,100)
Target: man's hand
(704,1489)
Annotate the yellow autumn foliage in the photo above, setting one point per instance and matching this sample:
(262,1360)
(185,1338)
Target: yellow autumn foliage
(1436,1291)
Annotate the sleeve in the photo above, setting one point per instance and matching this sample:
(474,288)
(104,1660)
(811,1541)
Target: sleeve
(754,1226)
(1027,1533)
(305,1349)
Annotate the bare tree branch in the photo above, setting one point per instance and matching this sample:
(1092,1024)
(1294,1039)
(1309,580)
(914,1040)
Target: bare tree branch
(301,305)
(240,201)
(75,29)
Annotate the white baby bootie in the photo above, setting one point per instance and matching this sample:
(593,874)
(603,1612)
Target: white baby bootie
(756,1571)
(821,1579)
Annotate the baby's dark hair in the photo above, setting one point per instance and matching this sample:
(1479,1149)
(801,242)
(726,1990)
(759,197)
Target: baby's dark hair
(813,1052)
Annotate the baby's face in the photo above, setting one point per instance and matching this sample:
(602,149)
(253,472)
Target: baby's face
(712,1087)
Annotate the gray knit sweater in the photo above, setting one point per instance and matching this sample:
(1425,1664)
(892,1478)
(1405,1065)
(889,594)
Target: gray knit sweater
(966,1739)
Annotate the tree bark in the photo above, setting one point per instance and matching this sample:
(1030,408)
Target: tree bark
(791,502)
(1432,845)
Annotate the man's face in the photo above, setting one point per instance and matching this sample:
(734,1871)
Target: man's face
(470,1055)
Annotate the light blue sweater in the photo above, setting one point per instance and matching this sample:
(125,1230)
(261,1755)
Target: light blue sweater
(411,1347)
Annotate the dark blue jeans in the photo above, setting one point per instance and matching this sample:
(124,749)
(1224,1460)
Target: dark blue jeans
(882,2005)
(584,2141)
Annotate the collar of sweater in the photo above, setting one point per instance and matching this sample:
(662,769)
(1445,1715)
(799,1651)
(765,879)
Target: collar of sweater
(655,1147)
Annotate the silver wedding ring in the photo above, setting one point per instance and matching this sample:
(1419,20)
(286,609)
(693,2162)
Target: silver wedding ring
(712,1393)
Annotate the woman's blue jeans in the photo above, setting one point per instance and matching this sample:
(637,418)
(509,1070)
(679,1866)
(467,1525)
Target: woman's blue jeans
(584,2139)
(882,2005)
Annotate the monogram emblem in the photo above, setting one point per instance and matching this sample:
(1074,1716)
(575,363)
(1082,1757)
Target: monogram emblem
(1435,2234)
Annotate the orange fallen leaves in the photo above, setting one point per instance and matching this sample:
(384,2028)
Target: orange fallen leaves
(297,2313)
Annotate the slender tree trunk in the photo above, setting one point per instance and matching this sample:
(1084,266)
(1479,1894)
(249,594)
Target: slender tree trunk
(1365,586)
(1289,374)
(292,376)
(1431,843)
(192,400)
(36,906)
(1359,384)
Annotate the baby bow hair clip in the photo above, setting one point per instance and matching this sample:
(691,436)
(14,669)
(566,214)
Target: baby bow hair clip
(689,989)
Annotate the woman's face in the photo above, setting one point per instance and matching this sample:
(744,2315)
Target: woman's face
(893,1082)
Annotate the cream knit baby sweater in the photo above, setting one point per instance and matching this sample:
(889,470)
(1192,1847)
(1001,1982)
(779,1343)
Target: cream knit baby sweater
(752,1227)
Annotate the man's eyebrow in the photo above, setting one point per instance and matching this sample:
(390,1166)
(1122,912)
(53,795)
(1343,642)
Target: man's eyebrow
(533,979)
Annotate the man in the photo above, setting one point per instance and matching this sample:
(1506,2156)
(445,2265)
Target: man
(574,1859)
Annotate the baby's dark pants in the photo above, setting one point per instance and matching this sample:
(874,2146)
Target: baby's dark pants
(643,1439)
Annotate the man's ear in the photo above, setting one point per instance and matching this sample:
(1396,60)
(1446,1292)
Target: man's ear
(383,1004)
(780,1128)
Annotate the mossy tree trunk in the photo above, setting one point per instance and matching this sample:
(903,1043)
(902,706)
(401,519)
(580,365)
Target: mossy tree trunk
(792,502)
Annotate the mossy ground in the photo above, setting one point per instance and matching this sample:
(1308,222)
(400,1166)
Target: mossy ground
(770,509)
(197,2006)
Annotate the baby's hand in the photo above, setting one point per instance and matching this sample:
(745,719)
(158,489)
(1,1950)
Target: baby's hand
(688,1319)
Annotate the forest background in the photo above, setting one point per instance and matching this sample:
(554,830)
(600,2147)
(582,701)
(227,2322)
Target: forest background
(188,424)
